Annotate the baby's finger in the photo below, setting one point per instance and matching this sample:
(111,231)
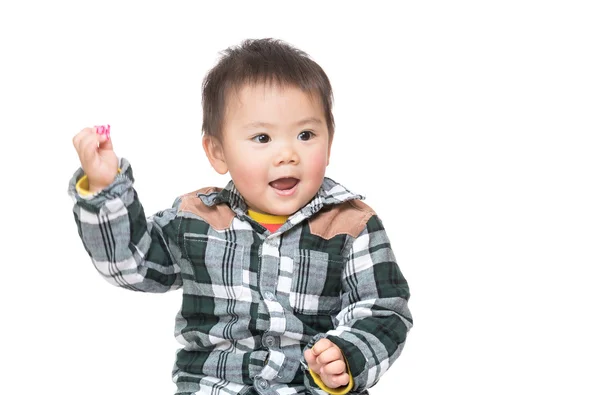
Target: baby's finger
(88,145)
(105,142)
(79,136)
(322,345)
(334,368)
(330,355)
(311,359)
(310,356)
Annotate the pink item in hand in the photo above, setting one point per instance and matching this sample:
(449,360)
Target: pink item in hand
(103,130)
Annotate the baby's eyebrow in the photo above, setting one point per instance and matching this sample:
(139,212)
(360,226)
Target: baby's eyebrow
(309,120)
(259,124)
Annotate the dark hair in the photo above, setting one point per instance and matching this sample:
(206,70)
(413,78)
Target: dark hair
(261,61)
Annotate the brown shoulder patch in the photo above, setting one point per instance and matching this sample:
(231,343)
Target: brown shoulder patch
(347,218)
(219,216)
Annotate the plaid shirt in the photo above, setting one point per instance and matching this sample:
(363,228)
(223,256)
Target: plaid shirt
(253,301)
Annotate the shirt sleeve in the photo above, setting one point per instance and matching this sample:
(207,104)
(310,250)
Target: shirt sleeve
(128,249)
(374,319)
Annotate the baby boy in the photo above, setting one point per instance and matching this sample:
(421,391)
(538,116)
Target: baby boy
(290,285)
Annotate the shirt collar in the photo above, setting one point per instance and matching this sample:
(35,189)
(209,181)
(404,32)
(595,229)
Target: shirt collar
(330,193)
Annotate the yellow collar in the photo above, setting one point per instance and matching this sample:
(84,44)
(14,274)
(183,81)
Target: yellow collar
(267,218)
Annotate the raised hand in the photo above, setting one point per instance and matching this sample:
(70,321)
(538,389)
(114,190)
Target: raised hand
(98,160)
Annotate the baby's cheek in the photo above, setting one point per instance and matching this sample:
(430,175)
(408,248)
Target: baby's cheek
(317,163)
(249,175)
(251,171)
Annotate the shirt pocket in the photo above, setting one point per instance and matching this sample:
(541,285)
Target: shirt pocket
(316,283)
(216,266)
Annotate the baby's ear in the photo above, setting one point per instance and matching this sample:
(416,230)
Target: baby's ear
(214,151)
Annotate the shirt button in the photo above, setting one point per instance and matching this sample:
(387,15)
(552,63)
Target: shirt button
(269,295)
(270,341)
(262,383)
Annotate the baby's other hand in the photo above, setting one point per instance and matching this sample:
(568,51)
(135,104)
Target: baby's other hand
(327,360)
(98,160)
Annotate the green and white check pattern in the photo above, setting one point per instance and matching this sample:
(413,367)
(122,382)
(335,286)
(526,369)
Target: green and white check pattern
(253,301)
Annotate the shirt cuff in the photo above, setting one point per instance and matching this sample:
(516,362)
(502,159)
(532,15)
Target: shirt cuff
(333,391)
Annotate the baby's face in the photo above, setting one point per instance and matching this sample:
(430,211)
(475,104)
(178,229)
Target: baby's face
(276,146)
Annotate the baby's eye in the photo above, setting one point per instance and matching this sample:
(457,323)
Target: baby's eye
(305,135)
(261,138)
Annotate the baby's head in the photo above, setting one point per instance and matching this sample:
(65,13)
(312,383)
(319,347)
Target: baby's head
(268,122)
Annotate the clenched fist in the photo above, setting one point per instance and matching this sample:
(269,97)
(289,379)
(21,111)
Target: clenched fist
(98,160)
(327,360)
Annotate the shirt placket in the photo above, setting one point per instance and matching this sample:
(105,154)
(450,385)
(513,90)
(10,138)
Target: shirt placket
(269,269)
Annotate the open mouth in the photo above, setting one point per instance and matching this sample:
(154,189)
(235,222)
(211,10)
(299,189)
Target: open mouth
(285,186)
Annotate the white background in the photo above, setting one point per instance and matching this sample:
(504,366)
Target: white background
(472,128)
